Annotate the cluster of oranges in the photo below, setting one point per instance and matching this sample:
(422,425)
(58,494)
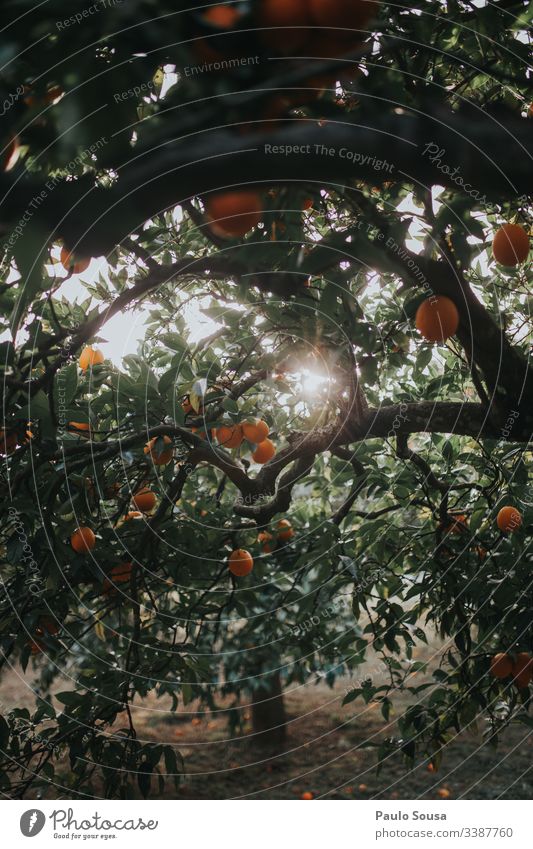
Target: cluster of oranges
(241,562)
(283,533)
(255,432)
(519,667)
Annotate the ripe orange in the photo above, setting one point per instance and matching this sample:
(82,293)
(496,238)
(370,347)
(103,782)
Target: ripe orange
(501,665)
(285,530)
(230,437)
(255,432)
(10,154)
(222,15)
(349,14)
(90,357)
(120,574)
(159,455)
(459,523)
(233,214)
(307,796)
(83,540)
(267,542)
(264,452)
(8,442)
(444,793)
(509,519)
(437,318)
(511,245)
(285,24)
(84,428)
(133,514)
(240,563)
(144,500)
(70,263)
(264,536)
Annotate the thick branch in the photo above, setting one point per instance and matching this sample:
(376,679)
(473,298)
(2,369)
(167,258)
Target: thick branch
(490,155)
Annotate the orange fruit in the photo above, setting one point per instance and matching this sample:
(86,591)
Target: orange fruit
(443,793)
(84,428)
(8,442)
(233,214)
(285,24)
(264,452)
(437,318)
(459,523)
(501,665)
(120,574)
(255,432)
(264,536)
(90,357)
(70,263)
(267,542)
(240,563)
(511,245)
(345,14)
(522,669)
(307,796)
(222,15)
(10,154)
(229,437)
(509,519)
(144,500)
(159,455)
(83,540)
(133,514)
(285,530)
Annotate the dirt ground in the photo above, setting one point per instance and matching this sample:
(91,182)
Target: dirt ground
(322,754)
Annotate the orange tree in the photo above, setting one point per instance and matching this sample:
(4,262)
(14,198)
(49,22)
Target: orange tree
(334,216)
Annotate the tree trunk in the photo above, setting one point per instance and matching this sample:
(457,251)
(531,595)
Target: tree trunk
(269,721)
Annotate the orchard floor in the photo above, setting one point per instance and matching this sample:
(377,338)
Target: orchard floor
(322,754)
